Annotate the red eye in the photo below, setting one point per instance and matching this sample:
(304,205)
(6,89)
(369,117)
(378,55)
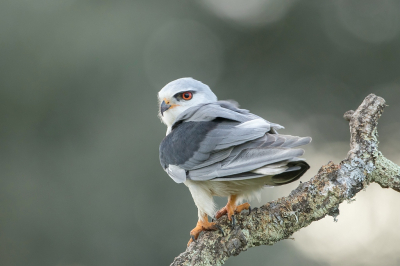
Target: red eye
(187,95)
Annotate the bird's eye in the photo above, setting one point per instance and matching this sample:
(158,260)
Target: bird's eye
(187,95)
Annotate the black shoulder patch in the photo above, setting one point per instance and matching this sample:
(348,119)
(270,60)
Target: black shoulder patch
(184,140)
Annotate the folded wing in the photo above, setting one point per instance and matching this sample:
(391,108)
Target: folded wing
(221,142)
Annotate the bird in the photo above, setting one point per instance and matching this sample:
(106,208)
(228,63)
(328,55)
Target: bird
(217,149)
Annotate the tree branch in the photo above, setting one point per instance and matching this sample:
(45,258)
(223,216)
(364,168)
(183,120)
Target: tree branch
(310,201)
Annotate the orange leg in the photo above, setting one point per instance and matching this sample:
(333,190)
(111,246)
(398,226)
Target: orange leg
(202,225)
(231,208)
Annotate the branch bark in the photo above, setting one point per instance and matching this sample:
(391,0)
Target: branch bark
(310,201)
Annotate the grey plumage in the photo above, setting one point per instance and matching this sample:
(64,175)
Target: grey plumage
(220,142)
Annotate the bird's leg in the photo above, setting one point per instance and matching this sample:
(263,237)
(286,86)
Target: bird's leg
(231,208)
(202,225)
(228,209)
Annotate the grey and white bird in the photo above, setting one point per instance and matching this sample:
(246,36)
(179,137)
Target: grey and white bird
(217,149)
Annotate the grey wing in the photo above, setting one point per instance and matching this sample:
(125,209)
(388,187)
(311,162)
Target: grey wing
(272,155)
(196,145)
(220,142)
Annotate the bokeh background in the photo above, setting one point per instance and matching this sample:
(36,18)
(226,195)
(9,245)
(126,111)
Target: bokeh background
(80,180)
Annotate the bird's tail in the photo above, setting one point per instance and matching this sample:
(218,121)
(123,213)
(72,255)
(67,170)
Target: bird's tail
(294,172)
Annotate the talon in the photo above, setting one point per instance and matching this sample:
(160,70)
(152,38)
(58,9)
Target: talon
(233,221)
(192,239)
(220,229)
(231,208)
(202,225)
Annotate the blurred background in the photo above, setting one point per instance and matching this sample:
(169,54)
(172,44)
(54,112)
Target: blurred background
(80,180)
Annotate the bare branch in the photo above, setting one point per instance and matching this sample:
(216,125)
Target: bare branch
(310,201)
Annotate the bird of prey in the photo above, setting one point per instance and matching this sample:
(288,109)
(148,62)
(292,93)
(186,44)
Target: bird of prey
(217,149)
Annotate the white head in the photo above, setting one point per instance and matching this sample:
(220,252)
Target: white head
(181,94)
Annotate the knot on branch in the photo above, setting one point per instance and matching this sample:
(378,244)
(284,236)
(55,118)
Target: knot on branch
(348,115)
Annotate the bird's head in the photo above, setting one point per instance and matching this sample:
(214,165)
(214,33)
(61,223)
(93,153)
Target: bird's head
(181,94)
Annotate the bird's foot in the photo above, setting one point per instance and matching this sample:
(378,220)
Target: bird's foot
(203,225)
(241,207)
(231,210)
(221,212)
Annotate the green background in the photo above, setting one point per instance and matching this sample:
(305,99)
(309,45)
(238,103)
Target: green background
(80,180)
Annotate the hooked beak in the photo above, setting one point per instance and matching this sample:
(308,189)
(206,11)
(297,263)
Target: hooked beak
(164,107)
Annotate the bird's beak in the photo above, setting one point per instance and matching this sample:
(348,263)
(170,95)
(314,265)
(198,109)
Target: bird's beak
(164,107)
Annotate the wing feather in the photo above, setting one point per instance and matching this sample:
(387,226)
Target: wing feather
(246,161)
(220,142)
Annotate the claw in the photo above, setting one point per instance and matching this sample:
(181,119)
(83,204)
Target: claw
(220,229)
(233,221)
(249,211)
(191,240)
(202,225)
